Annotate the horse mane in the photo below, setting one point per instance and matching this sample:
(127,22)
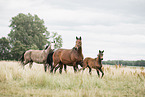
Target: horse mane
(74,48)
(46,47)
(80,50)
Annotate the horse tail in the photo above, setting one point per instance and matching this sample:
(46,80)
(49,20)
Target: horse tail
(49,58)
(22,57)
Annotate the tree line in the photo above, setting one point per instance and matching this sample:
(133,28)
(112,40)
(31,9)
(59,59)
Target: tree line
(27,32)
(125,63)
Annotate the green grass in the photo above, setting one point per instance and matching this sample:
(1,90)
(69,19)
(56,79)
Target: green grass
(117,82)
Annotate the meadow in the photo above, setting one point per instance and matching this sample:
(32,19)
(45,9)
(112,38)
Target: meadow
(117,82)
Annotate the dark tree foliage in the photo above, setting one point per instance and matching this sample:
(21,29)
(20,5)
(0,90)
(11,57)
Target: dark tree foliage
(125,63)
(57,38)
(17,50)
(4,49)
(28,32)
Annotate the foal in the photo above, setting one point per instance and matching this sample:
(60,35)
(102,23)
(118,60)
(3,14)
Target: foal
(94,63)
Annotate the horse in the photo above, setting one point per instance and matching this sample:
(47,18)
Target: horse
(68,57)
(95,63)
(37,56)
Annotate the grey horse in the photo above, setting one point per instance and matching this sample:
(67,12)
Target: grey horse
(37,56)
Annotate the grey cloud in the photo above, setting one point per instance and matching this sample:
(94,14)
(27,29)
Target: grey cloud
(117,26)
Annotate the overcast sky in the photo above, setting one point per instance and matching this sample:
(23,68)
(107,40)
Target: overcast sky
(115,26)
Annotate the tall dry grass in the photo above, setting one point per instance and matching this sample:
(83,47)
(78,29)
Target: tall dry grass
(123,81)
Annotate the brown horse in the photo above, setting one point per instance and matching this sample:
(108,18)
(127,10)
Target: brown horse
(94,63)
(37,56)
(68,57)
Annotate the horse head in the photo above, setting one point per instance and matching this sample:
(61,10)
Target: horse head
(100,55)
(78,42)
(53,45)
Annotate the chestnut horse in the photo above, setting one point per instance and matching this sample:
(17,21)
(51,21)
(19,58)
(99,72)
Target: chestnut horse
(68,57)
(94,63)
(37,56)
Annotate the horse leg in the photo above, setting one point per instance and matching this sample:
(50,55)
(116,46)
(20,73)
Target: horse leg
(24,63)
(83,68)
(65,68)
(75,67)
(51,71)
(53,66)
(90,70)
(56,68)
(30,64)
(60,68)
(45,67)
(75,70)
(98,72)
(101,72)
(84,65)
(49,64)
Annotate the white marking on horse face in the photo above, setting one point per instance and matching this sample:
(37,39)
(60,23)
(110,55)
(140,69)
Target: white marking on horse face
(52,45)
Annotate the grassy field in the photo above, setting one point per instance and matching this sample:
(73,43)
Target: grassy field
(117,82)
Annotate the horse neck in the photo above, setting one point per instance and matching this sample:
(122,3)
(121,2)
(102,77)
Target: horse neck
(79,51)
(99,60)
(48,50)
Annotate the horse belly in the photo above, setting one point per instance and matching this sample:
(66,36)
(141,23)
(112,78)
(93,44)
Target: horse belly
(66,61)
(95,67)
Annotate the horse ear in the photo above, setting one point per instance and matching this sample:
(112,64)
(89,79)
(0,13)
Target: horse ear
(103,51)
(80,38)
(99,51)
(76,37)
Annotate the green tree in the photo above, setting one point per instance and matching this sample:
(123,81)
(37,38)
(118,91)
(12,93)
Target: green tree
(29,30)
(17,50)
(4,49)
(57,38)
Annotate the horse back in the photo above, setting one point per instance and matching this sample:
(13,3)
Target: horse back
(66,56)
(56,56)
(91,62)
(37,53)
(35,56)
(88,60)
